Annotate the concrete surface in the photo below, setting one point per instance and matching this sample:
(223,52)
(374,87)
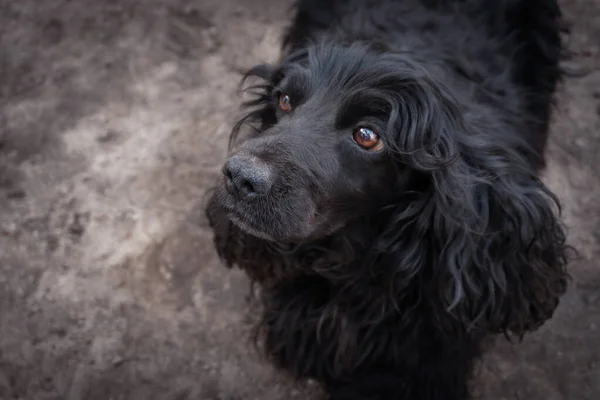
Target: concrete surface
(114,117)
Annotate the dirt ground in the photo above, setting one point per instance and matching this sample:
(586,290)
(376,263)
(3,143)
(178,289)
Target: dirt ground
(114,117)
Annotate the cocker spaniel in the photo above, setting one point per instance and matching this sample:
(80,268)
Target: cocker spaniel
(386,195)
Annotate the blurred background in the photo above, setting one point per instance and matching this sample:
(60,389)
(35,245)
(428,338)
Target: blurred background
(114,118)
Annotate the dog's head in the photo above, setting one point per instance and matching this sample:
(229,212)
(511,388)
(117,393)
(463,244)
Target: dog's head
(325,151)
(344,133)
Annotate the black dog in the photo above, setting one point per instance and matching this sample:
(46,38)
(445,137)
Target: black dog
(387,197)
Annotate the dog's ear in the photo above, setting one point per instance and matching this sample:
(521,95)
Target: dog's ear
(259,110)
(259,113)
(500,247)
(482,233)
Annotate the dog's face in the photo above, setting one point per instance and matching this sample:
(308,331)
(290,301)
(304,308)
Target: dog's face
(320,157)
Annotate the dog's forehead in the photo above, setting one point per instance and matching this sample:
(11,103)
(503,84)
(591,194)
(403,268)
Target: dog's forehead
(330,66)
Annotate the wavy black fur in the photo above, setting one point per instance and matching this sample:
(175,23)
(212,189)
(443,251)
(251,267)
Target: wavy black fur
(382,273)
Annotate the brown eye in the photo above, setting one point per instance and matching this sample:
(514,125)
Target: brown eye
(367,139)
(285,103)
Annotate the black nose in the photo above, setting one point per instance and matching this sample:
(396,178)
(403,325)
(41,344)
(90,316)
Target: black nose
(247,177)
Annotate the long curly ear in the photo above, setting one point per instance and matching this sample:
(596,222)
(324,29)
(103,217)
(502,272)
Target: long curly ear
(504,261)
(482,233)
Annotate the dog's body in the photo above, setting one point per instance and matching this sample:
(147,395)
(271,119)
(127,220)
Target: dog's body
(387,200)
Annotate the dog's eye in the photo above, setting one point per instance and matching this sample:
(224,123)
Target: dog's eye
(367,139)
(285,103)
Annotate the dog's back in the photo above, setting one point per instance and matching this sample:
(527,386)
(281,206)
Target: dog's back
(502,52)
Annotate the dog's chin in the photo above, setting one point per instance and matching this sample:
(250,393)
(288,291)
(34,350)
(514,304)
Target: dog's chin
(250,229)
(286,234)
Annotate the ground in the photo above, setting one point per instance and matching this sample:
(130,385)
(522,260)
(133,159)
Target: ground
(114,117)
